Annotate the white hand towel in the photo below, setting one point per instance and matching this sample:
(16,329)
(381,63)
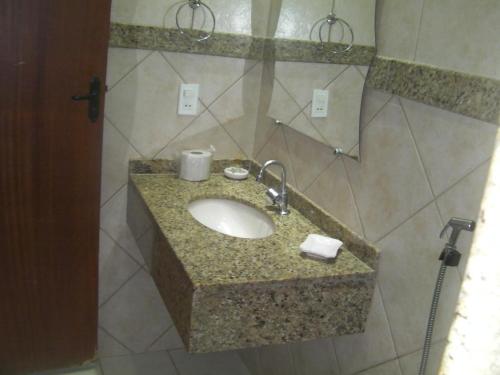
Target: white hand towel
(321,246)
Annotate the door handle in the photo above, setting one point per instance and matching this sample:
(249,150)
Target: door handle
(93,98)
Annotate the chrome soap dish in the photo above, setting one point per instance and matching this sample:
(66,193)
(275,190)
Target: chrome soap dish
(197,7)
(331,25)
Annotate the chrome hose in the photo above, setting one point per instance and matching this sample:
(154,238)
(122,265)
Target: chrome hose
(432,319)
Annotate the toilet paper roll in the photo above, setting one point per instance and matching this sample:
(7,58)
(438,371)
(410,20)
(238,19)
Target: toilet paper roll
(195,165)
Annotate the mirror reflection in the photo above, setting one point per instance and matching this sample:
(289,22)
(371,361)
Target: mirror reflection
(322,101)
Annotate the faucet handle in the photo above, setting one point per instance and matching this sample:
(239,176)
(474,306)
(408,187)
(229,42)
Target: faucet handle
(272,195)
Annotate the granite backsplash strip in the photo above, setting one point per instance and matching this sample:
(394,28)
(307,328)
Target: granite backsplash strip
(307,51)
(236,45)
(472,96)
(168,39)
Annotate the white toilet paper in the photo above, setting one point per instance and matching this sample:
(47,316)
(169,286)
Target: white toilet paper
(195,165)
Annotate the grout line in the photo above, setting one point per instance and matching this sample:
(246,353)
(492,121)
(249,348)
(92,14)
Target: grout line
(417,149)
(159,337)
(302,111)
(389,325)
(131,70)
(113,195)
(231,85)
(228,133)
(293,174)
(335,355)
(400,224)
(118,341)
(173,362)
(337,76)
(364,126)
(267,141)
(319,174)
(419,28)
(117,244)
(356,207)
(123,135)
(120,287)
(196,117)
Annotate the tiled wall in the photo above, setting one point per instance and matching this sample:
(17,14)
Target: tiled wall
(420,165)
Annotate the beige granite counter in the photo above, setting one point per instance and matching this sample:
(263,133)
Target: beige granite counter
(227,293)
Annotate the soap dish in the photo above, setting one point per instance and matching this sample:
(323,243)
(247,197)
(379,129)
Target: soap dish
(236,173)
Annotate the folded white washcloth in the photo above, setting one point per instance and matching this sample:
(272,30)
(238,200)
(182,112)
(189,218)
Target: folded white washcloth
(321,246)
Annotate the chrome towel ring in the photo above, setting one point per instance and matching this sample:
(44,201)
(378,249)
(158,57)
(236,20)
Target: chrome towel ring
(331,22)
(195,5)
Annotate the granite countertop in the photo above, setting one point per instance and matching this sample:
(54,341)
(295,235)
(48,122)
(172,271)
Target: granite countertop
(212,258)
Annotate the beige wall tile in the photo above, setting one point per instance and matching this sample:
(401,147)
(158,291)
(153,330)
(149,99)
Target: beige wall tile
(107,346)
(231,16)
(364,350)
(302,125)
(116,153)
(115,267)
(388,368)
(282,106)
(389,184)
(114,223)
(297,18)
(204,132)
(168,341)
(341,127)
(332,192)
(136,315)
(314,357)
(237,109)
(408,270)
(411,363)
(300,79)
(250,358)
(450,144)
(464,200)
(143,105)
(121,61)
(276,360)
(461,35)
(277,149)
(397,27)
(373,101)
(215,74)
(306,165)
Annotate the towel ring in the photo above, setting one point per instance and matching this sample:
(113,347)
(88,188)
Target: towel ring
(331,21)
(195,5)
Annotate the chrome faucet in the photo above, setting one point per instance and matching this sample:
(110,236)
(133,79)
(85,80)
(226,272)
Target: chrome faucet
(279,199)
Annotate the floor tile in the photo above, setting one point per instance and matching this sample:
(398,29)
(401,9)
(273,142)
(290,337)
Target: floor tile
(223,363)
(156,363)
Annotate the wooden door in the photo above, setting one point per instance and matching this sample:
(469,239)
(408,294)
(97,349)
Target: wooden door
(49,181)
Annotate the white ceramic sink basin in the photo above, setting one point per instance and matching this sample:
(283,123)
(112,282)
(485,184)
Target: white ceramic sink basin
(232,218)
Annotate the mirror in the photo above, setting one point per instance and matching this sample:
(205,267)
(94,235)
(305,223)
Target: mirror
(339,31)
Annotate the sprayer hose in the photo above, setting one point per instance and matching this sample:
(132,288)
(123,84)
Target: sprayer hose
(432,319)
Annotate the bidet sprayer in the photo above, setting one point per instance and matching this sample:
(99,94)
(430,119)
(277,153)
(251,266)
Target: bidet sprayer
(450,255)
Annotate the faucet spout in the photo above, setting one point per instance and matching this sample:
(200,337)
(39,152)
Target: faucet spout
(280,199)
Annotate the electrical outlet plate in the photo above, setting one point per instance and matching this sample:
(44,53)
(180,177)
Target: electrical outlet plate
(188,99)
(319,106)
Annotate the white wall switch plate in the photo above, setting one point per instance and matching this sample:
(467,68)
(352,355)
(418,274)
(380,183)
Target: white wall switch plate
(188,99)
(319,106)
